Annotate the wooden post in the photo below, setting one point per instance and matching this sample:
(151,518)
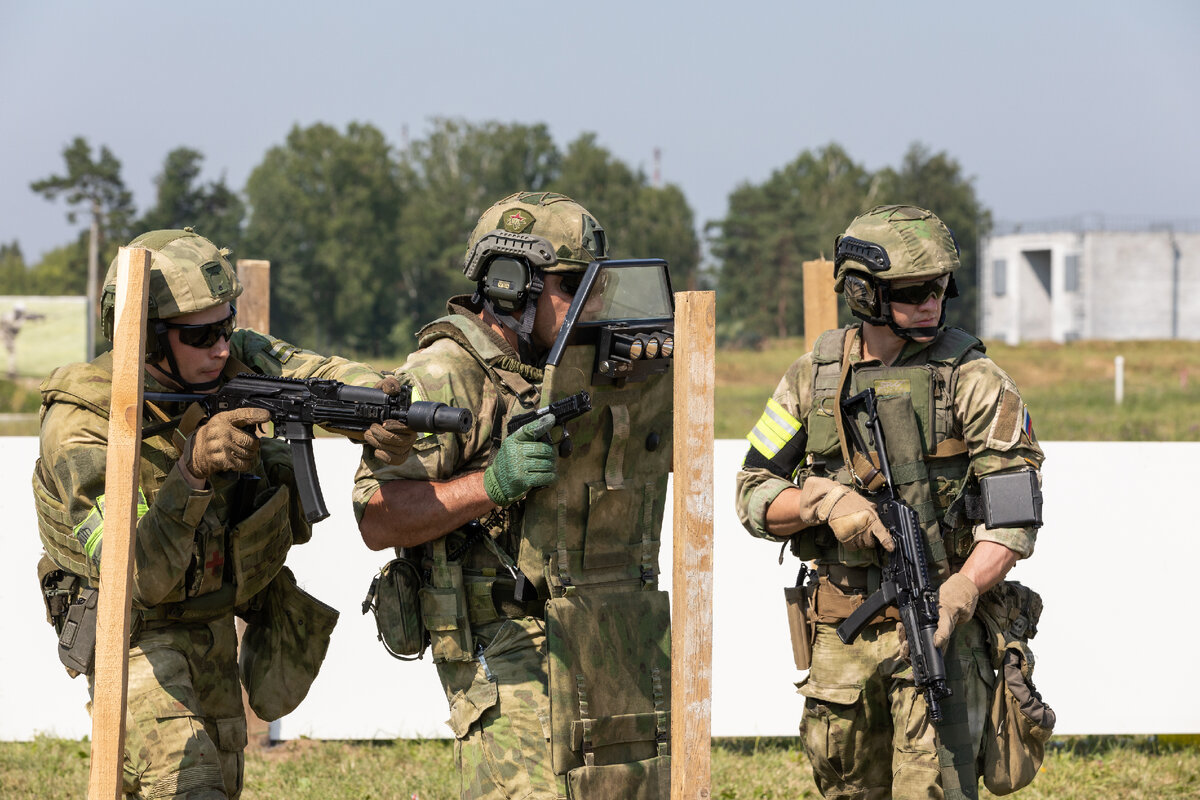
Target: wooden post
(691,583)
(254,311)
(820,301)
(254,306)
(120,521)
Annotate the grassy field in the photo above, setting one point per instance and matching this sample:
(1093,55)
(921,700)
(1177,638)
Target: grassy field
(1131,768)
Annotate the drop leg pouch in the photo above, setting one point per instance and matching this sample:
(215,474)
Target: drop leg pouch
(609,684)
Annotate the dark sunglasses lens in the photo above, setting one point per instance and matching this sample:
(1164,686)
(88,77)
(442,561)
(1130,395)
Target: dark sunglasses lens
(915,295)
(206,335)
(570,284)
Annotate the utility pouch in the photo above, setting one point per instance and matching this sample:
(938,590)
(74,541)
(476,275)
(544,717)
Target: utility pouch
(77,642)
(639,780)
(260,545)
(394,600)
(283,646)
(610,686)
(1020,724)
(444,609)
(798,624)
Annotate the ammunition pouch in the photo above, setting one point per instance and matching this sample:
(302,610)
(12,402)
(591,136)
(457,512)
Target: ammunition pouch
(283,646)
(260,543)
(444,608)
(394,600)
(830,603)
(609,684)
(639,780)
(1019,721)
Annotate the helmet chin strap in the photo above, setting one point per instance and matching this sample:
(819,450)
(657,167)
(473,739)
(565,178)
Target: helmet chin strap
(164,344)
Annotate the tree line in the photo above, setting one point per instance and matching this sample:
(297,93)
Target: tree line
(366,240)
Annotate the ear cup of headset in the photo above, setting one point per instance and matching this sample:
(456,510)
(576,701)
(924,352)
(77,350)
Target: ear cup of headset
(861,295)
(507,283)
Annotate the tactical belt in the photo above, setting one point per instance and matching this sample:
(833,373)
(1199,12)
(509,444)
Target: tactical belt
(205,608)
(494,600)
(831,604)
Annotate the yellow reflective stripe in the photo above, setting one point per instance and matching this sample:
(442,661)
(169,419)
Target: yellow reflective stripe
(416,394)
(768,450)
(780,415)
(92,537)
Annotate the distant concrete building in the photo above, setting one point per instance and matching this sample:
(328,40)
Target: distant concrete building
(1090,279)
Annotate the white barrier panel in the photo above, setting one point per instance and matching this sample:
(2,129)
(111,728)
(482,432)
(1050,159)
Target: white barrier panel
(1106,518)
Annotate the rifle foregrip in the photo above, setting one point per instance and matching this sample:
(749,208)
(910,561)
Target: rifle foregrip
(306,479)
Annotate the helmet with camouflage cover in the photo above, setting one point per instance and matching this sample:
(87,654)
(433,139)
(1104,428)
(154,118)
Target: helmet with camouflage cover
(574,236)
(188,273)
(517,242)
(888,244)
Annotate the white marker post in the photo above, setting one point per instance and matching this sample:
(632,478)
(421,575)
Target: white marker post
(692,582)
(120,522)
(1119,380)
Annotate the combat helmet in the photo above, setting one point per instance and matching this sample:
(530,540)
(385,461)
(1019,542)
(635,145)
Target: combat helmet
(893,243)
(520,239)
(188,273)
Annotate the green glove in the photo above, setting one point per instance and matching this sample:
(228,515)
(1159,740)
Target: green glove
(522,463)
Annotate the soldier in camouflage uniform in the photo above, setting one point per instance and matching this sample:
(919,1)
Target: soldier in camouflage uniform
(192,568)
(961,424)
(490,635)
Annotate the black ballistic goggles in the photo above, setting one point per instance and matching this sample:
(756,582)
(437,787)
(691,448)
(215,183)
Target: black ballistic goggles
(205,335)
(918,293)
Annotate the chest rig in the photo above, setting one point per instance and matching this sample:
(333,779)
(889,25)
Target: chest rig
(930,462)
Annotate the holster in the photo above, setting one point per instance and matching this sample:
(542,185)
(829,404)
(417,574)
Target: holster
(77,642)
(799,626)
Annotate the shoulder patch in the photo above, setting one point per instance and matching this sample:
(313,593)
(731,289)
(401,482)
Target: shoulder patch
(282,351)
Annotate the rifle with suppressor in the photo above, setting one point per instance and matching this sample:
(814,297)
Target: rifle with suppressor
(906,582)
(296,404)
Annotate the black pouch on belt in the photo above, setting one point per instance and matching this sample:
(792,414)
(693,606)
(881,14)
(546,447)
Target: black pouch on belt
(77,643)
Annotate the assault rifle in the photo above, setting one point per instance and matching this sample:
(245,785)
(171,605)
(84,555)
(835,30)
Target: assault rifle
(296,404)
(562,410)
(906,577)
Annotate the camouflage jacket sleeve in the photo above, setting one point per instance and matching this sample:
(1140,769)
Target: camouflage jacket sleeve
(999,436)
(74,449)
(270,356)
(444,373)
(757,484)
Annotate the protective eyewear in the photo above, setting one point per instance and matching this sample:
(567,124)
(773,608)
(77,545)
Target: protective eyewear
(918,293)
(206,334)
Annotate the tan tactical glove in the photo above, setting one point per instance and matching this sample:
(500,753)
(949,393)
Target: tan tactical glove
(392,441)
(956,605)
(223,445)
(850,516)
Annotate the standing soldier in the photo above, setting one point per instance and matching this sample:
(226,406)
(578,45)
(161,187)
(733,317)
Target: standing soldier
(10,325)
(217,512)
(955,428)
(539,561)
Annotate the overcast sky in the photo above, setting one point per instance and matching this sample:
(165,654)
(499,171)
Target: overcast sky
(1056,109)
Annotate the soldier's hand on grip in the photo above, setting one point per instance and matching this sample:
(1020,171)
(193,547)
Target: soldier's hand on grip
(522,463)
(956,604)
(852,517)
(223,444)
(391,439)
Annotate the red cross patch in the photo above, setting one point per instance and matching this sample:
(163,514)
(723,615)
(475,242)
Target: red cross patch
(216,562)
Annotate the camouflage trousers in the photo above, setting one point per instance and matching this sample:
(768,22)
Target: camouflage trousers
(865,727)
(500,714)
(185,727)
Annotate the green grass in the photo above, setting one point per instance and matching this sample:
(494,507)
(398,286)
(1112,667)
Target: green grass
(1083,768)
(1068,388)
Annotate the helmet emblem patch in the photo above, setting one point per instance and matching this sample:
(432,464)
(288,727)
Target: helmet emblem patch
(516,220)
(218,282)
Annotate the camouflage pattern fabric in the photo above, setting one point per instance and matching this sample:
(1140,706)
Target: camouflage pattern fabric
(865,728)
(185,726)
(181,550)
(861,719)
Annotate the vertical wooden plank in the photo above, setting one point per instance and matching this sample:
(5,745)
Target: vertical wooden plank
(820,301)
(120,521)
(254,311)
(254,306)
(691,584)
